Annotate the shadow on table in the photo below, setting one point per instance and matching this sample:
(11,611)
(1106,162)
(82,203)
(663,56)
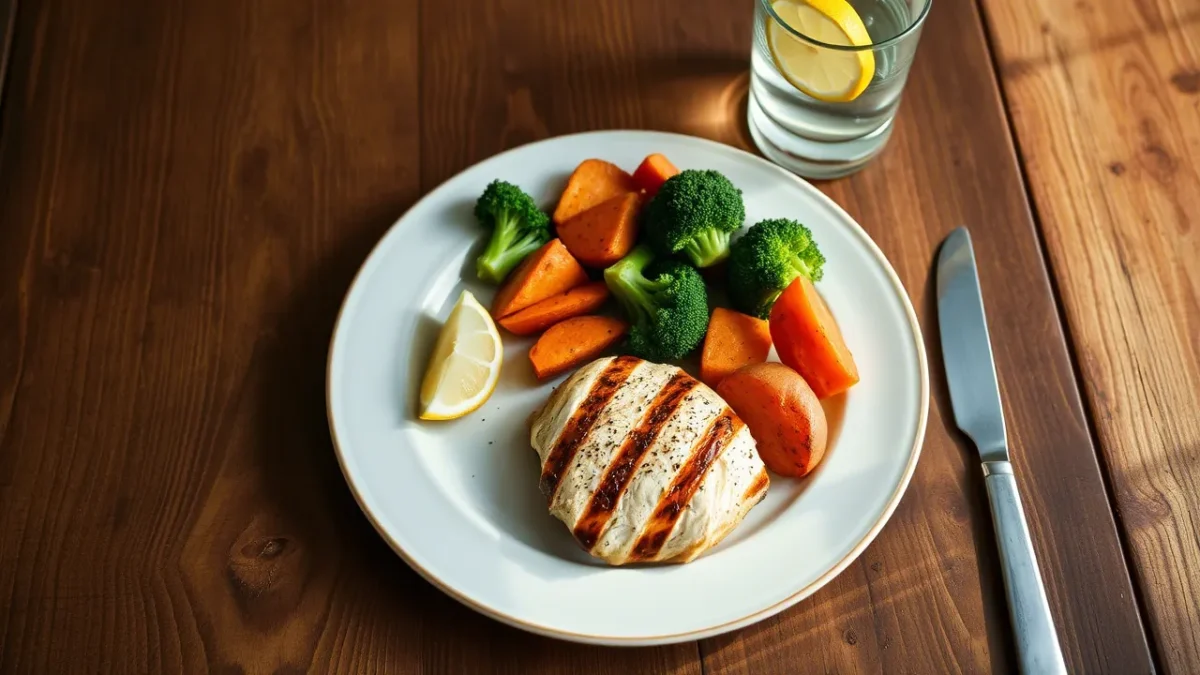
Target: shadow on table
(991,583)
(699,94)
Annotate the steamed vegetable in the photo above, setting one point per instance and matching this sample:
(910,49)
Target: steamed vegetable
(518,227)
(594,181)
(653,172)
(541,315)
(548,271)
(694,214)
(784,416)
(808,339)
(571,342)
(734,340)
(605,233)
(665,301)
(766,259)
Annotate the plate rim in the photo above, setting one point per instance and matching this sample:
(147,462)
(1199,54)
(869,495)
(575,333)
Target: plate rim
(734,624)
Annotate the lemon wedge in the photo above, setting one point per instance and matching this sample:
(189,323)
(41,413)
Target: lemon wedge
(823,73)
(465,366)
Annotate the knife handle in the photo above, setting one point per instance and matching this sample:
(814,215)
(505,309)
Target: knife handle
(1038,651)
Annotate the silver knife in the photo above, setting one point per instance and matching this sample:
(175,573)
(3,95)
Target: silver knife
(975,396)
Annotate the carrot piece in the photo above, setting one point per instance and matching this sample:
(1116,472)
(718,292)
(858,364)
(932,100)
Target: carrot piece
(593,181)
(733,340)
(541,315)
(653,172)
(603,234)
(808,339)
(546,272)
(571,342)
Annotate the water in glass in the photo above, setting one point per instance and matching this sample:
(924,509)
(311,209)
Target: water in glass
(820,138)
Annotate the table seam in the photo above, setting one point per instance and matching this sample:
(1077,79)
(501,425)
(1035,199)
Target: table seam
(1070,340)
(7,38)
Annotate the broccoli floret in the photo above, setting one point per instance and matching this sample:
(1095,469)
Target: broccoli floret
(519,227)
(694,213)
(765,260)
(665,301)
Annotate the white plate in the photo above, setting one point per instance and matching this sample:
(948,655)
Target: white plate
(459,501)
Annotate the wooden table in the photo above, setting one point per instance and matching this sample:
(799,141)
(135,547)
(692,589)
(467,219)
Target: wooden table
(186,189)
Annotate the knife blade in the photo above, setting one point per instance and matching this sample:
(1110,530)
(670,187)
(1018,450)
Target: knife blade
(975,399)
(967,348)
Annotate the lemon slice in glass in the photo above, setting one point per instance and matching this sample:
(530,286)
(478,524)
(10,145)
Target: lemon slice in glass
(465,366)
(825,74)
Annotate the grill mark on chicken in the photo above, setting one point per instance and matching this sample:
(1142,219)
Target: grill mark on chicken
(718,437)
(582,421)
(759,485)
(604,499)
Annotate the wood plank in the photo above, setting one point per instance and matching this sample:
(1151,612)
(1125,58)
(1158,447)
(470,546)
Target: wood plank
(8,20)
(186,190)
(927,596)
(1105,101)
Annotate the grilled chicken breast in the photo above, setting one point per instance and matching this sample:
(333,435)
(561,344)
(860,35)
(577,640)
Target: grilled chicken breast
(644,463)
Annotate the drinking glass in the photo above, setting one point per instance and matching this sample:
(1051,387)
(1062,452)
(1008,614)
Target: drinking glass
(823,93)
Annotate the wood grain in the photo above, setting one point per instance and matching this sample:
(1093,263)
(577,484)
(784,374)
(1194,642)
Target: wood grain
(8,19)
(1105,100)
(926,597)
(185,192)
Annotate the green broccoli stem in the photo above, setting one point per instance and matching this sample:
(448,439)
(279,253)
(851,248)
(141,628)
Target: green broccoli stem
(627,280)
(708,248)
(497,269)
(763,309)
(800,267)
(505,250)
